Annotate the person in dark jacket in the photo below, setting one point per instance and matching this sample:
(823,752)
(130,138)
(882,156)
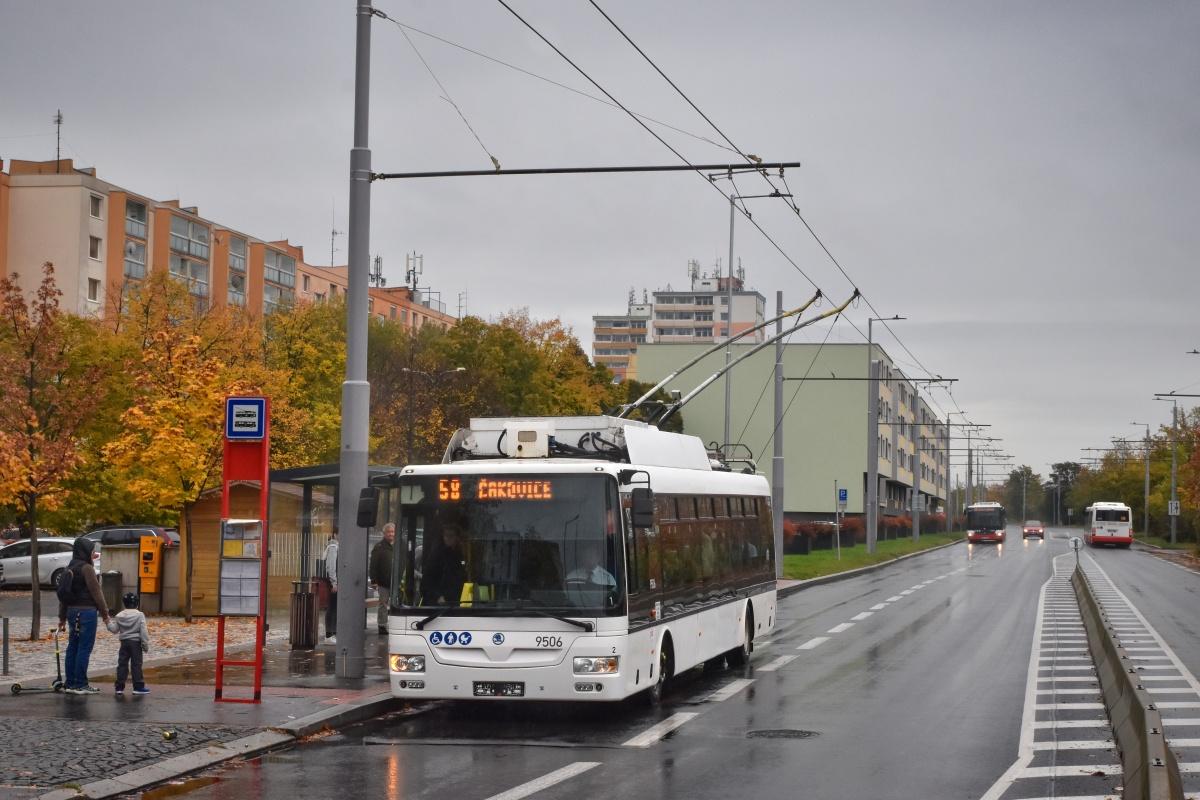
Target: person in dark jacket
(79,613)
(447,571)
(380,573)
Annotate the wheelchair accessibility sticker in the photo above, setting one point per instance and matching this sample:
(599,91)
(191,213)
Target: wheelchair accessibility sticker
(450,638)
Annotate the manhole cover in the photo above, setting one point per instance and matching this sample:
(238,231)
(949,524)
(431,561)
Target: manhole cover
(782,733)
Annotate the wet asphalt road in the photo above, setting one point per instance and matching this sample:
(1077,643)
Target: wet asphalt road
(921,697)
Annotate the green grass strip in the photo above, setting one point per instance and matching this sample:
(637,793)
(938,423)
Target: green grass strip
(825,562)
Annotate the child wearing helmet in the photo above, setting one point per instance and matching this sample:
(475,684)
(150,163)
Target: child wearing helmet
(130,627)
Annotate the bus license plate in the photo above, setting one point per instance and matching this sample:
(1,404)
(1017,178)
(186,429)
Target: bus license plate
(499,689)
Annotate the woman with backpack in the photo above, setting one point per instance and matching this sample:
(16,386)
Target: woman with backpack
(80,602)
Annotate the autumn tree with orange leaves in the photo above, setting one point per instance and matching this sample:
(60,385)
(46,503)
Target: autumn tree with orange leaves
(48,389)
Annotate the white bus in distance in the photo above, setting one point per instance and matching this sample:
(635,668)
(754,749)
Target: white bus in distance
(531,569)
(1108,523)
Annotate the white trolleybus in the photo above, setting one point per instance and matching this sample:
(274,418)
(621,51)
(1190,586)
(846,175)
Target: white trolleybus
(986,522)
(529,568)
(1108,523)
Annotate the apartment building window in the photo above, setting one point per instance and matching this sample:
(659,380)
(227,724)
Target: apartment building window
(333,290)
(135,259)
(704,300)
(276,297)
(704,333)
(638,324)
(306,283)
(237,254)
(391,312)
(404,316)
(94,246)
(189,238)
(94,205)
(135,219)
(638,338)
(704,316)
(280,268)
(191,272)
(93,290)
(235,293)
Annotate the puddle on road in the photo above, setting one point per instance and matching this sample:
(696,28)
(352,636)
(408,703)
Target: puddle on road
(177,788)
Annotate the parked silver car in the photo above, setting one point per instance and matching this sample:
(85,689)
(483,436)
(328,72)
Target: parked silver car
(54,553)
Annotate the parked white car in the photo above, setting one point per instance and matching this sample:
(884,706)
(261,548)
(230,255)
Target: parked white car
(54,553)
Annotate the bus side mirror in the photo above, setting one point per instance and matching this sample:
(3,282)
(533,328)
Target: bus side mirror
(368,507)
(642,511)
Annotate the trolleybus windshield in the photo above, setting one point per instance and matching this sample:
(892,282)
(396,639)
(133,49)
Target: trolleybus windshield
(985,519)
(501,543)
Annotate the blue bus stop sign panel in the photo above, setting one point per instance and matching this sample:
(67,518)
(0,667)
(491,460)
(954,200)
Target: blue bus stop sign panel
(245,417)
(843,495)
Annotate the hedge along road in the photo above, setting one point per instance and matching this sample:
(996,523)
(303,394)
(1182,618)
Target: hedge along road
(905,682)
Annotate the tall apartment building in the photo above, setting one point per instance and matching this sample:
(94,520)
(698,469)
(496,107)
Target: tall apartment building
(400,304)
(100,237)
(698,314)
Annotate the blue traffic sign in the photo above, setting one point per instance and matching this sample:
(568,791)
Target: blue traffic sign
(843,495)
(245,418)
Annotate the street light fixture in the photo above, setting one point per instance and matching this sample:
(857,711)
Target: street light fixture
(872,509)
(408,403)
(1146,496)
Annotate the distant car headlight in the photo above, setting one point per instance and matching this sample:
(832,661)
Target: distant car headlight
(587,665)
(403,663)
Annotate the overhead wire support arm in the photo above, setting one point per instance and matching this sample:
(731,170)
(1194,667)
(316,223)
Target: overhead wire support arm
(626,410)
(470,173)
(678,404)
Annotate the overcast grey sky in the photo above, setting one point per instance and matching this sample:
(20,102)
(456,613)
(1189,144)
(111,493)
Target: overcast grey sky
(1021,180)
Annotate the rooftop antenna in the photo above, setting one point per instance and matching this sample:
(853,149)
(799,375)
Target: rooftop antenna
(375,275)
(741,273)
(693,269)
(414,266)
(632,296)
(333,231)
(58,120)
(462,303)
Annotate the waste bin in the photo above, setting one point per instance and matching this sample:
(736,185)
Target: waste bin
(110,583)
(303,629)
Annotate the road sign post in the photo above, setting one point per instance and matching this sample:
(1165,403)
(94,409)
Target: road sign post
(1173,508)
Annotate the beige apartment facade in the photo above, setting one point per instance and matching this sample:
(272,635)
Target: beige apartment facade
(102,237)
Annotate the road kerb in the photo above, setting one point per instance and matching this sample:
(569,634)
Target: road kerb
(785,591)
(1150,769)
(246,747)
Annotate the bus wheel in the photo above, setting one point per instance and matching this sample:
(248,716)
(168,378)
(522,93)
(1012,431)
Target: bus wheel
(666,668)
(738,656)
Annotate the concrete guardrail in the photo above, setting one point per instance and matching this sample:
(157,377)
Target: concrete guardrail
(1150,769)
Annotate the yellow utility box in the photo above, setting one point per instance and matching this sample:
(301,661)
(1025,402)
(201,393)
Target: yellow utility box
(150,565)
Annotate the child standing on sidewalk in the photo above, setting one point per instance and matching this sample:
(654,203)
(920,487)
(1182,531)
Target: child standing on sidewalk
(130,626)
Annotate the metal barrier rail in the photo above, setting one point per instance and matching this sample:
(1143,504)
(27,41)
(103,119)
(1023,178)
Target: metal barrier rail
(1150,769)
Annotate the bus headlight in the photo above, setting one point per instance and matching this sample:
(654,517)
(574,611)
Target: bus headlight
(402,663)
(583,665)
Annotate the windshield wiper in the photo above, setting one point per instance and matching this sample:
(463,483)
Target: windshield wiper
(537,612)
(421,625)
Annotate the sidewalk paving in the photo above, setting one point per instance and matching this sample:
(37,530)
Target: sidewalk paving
(60,746)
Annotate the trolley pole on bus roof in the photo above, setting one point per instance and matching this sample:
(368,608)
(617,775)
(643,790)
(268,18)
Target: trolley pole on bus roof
(777,452)
(356,392)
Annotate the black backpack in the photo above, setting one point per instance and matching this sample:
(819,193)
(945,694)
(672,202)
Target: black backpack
(65,588)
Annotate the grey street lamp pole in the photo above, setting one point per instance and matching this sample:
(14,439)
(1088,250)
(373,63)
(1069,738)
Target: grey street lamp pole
(1146,495)
(356,391)
(1174,458)
(777,465)
(871,512)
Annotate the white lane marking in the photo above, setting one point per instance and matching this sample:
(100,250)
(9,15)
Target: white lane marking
(1068,692)
(1054,659)
(729,690)
(862,616)
(1080,668)
(781,661)
(656,732)
(907,591)
(1029,711)
(546,781)
(1144,650)
(879,606)
(894,598)
(1149,658)
(1184,743)
(1145,678)
(1183,722)
(816,641)
(1059,771)
(845,626)
(1171,705)
(1165,690)
(1069,679)
(1098,744)
(926,583)
(1101,722)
